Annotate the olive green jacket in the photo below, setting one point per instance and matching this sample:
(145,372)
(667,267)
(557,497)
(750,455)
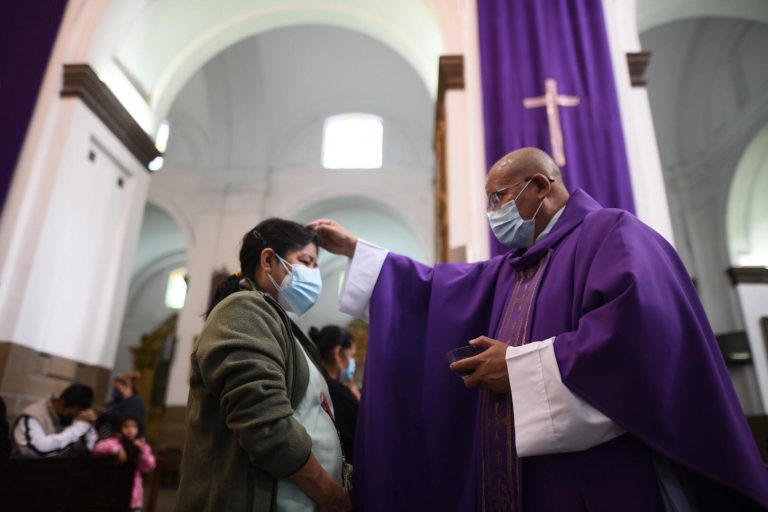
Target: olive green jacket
(247,377)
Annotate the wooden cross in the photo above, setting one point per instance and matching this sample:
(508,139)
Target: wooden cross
(553,101)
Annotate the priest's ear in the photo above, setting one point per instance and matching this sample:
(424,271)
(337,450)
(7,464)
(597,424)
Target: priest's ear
(543,184)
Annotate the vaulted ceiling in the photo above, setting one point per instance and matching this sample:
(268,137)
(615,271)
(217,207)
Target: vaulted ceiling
(259,106)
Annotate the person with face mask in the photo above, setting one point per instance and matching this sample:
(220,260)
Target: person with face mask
(601,385)
(337,355)
(125,401)
(57,427)
(260,422)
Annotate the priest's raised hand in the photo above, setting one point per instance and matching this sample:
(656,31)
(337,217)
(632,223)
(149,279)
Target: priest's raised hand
(334,237)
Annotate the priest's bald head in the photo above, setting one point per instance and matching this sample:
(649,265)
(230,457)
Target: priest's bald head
(533,180)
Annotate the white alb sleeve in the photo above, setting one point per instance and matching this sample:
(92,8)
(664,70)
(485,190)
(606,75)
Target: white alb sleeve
(360,279)
(549,418)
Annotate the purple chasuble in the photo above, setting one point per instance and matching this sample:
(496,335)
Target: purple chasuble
(534,51)
(631,339)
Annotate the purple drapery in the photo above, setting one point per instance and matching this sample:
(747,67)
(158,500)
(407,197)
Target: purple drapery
(27,34)
(523,43)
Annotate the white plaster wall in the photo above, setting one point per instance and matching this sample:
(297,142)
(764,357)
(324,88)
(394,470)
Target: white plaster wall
(72,301)
(709,93)
(754,303)
(639,137)
(145,310)
(466,168)
(747,210)
(162,247)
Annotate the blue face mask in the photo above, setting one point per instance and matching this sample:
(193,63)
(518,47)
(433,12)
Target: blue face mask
(300,289)
(510,228)
(348,373)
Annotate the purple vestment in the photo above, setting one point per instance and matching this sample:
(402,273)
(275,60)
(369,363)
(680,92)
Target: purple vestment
(632,340)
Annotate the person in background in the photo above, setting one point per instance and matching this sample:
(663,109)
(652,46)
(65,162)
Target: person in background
(57,426)
(129,447)
(125,401)
(337,355)
(5,444)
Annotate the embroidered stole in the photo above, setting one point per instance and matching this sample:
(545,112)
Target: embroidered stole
(500,468)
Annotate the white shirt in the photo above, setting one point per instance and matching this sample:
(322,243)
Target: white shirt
(325,440)
(32,440)
(548,417)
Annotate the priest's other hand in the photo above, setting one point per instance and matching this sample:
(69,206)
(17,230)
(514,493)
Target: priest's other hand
(489,368)
(334,237)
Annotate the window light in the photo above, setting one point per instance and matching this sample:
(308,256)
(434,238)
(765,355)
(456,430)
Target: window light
(353,141)
(176,290)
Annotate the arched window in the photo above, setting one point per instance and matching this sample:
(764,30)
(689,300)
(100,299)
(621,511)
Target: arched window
(176,289)
(353,141)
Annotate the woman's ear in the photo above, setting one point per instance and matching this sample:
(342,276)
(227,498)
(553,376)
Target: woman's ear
(267,258)
(338,354)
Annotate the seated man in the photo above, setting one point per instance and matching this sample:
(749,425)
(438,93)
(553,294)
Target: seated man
(57,426)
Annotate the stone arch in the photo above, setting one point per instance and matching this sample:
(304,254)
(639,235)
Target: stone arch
(654,13)
(747,209)
(150,61)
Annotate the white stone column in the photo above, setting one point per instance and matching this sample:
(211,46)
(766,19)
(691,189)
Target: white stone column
(69,230)
(639,135)
(218,231)
(465,155)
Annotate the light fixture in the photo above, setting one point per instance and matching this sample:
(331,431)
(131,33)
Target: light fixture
(156,164)
(161,139)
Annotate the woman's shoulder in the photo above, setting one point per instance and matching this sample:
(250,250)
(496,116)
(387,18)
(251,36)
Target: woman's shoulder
(244,301)
(246,311)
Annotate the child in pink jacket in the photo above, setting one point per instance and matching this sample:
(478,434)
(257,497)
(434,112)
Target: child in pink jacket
(129,448)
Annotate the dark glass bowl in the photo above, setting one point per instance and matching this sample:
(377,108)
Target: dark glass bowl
(464,352)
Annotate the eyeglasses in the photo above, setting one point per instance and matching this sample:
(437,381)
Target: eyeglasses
(495,197)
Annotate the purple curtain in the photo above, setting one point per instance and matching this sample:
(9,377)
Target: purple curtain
(522,44)
(27,34)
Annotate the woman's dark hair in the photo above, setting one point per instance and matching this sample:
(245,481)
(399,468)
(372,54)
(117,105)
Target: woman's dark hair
(330,337)
(282,236)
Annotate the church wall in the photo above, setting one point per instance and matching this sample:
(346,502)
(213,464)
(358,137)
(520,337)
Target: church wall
(79,262)
(703,132)
(27,375)
(754,301)
(639,136)
(146,309)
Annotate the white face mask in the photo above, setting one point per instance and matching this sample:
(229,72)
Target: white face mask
(510,228)
(300,289)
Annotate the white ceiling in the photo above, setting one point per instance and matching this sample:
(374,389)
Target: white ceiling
(258,106)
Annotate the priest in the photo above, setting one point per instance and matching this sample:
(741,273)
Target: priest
(600,385)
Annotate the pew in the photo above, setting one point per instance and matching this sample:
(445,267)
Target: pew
(77,484)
